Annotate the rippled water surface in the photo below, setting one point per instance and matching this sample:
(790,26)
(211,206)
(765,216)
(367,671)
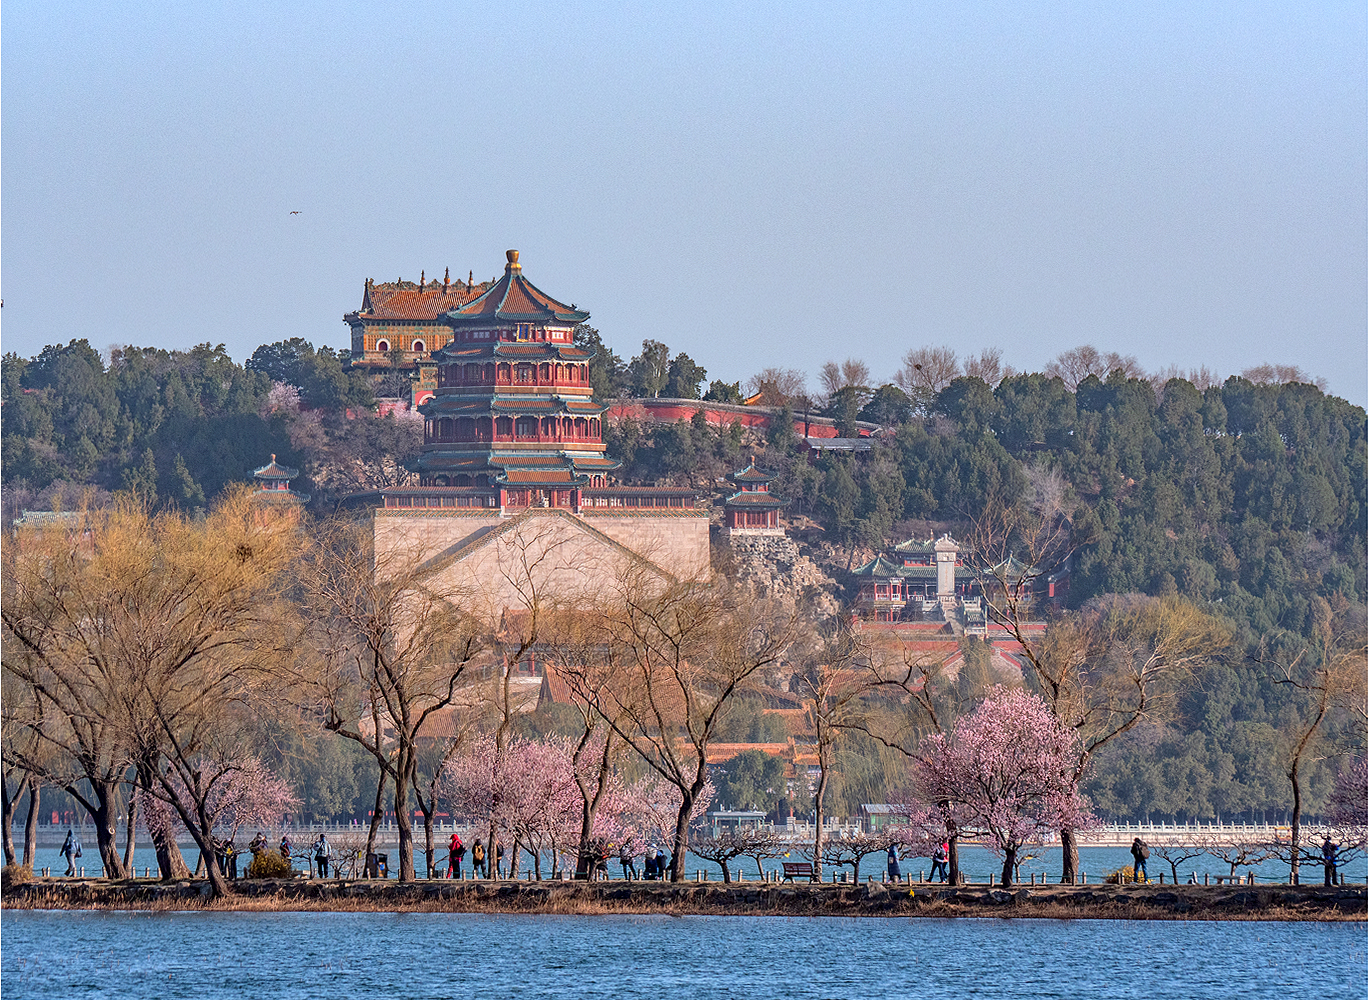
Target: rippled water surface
(305,955)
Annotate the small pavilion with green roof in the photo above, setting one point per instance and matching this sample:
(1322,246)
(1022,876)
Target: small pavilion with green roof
(752,509)
(274,482)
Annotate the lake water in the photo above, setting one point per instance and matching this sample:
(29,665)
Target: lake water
(296,956)
(976,862)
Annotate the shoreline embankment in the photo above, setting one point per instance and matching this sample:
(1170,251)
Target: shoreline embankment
(1102,902)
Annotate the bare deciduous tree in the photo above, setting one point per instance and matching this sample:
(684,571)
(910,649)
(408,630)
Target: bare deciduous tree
(1101,670)
(726,848)
(777,386)
(987,365)
(925,372)
(1076,365)
(1324,678)
(1269,374)
(850,374)
(388,644)
(680,652)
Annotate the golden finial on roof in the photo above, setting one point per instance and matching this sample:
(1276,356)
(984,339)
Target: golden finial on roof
(446,280)
(513,264)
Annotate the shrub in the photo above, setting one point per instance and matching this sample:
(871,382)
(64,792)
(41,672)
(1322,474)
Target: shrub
(1123,876)
(15,875)
(269,865)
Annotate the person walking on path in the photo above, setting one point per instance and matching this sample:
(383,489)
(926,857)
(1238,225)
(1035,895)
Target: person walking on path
(939,862)
(1140,852)
(894,872)
(1329,856)
(71,850)
(498,858)
(627,860)
(285,847)
(322,854)
(477,860)
(455,852)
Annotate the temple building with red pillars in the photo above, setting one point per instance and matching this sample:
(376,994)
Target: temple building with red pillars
(513,456)
(752,509)
(514,407)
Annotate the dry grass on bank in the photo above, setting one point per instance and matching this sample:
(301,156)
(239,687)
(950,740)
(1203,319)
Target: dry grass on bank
(584,901)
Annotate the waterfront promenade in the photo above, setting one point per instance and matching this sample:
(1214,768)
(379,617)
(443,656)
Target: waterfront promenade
(387,836)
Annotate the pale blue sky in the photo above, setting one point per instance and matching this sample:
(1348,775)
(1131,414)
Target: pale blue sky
(756,184)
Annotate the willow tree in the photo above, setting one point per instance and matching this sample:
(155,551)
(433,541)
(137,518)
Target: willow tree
(139,632)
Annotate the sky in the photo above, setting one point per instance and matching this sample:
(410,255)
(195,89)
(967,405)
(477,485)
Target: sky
(754,184)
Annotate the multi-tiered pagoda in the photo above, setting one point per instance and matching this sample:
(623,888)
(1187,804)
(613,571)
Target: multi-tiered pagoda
(513,418)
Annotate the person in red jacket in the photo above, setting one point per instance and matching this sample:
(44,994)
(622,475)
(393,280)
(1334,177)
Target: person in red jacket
(455,852)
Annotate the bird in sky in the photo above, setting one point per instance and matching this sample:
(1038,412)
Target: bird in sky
(295,212)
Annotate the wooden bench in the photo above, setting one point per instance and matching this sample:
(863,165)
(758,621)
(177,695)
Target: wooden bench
(797,869)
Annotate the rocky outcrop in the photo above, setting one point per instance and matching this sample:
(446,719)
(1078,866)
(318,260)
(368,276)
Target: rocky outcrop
(776,567)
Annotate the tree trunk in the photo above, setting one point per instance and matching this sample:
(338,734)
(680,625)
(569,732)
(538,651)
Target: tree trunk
(590,803)
(31,825)
(376,814)
(953,859)
(428,849)
(103,817)
(726,872)
(681,838)
(1068,841)
(169,857)
(1009,867)
(404,821)
(130,836)
(427,807)
(819,813)
(170,861)
(218,882)
(1295,775)
(8,806)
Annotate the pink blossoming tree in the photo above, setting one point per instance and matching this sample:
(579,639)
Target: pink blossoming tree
(221,796)
(1005,771)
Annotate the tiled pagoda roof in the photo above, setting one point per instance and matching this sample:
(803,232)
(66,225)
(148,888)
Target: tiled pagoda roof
(534,404)
(878,567)
(595,462)
(750,474)
(521,477)
(756,501)
(407,300)
(913,545)
(513,351)
(514,299)
(272,470)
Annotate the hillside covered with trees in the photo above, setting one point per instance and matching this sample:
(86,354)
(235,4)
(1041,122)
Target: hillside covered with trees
(1247,496)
